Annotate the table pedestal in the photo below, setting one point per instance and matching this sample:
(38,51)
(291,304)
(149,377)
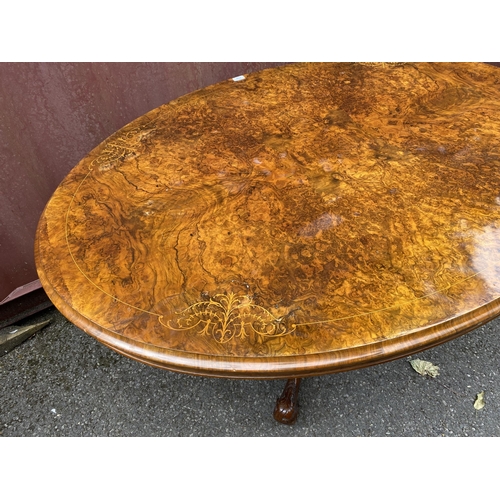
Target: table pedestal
(287,405)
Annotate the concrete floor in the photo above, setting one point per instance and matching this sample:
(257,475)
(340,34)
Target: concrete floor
(61,382)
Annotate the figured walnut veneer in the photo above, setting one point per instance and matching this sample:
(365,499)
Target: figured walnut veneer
(308,219)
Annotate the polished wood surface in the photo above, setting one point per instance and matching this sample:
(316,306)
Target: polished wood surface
(304,220)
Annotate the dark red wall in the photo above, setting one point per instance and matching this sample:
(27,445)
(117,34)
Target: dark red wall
(53,114)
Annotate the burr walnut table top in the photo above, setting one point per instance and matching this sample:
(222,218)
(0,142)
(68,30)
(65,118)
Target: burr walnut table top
(302,220)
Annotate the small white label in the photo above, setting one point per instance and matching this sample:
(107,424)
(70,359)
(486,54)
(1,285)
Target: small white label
(238,78)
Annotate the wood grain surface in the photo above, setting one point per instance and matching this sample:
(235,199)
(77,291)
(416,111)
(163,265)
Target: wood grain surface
(306,219)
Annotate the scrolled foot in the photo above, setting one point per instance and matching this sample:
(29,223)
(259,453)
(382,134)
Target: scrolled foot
(287,405)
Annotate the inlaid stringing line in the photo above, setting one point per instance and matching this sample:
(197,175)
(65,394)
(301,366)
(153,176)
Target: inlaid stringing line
(294,325)
(390,307)
(80,269)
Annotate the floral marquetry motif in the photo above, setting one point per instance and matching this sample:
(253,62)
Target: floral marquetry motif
(121,146)
(225,317)
(306,219)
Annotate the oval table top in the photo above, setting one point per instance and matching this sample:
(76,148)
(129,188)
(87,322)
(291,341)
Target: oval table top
(302,220)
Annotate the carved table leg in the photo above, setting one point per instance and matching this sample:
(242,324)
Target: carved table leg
(287,407)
